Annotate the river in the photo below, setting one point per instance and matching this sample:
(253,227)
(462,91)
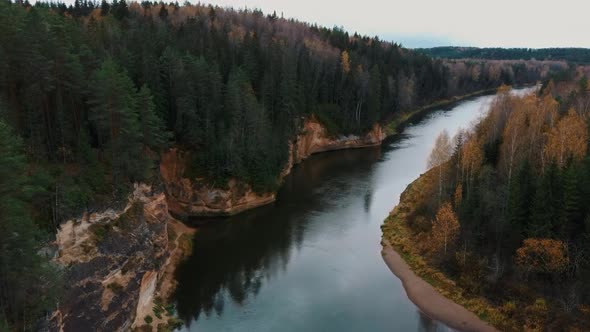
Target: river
(311,261)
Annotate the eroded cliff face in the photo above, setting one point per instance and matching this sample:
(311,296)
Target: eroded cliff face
(194,197)
(114,263)
(315,139)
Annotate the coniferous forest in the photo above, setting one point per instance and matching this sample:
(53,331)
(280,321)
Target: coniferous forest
(91,93)
(575,55)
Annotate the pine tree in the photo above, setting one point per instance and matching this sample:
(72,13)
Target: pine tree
(374,95)
(547,204)
(28,284)
(153,131)
(120,9)
(113,111)
(163,13)
(571,213)
(519,203)
(105,8)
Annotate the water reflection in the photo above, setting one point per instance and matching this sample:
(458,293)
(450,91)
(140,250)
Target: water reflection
(310,262)
(428,325)
(233,257)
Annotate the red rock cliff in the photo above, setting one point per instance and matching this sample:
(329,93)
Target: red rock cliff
(194,197)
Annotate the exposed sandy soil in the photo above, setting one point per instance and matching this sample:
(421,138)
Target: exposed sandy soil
(167,280)
(428,300)
(194,196)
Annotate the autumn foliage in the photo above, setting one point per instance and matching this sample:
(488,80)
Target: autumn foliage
(542,255)
(519,183)
(345,62)
(568,140)
(445,227)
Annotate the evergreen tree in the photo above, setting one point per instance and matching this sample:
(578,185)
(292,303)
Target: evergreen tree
(547,204)
(105,8)
(571,220)
(28,282)
(113,112)
(153,131)
(520,198)
(374,98)
(120,9)
(163,13)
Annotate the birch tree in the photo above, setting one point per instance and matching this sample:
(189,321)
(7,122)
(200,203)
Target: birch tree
(569,139)
(445,227)
(440,154)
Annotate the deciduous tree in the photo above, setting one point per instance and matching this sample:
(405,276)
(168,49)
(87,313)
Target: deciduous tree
(471,160)
(568,139)
(345,62)
(542,255)
(445,227)
(440,154)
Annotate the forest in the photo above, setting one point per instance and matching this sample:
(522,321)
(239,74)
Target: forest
(91,93)
(508,218)
(573,55)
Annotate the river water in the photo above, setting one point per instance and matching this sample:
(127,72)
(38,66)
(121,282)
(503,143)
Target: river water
(311,261)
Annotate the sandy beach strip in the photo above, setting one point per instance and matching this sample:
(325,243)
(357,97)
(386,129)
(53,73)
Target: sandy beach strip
(428,300)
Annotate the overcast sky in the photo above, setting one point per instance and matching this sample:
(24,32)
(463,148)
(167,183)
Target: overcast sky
(425,23)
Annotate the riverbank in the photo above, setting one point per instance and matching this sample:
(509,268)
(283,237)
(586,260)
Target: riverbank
(396,124)
(190,196)
(428,299)
(484,268)
(328,205)
(430,289)
(195,197)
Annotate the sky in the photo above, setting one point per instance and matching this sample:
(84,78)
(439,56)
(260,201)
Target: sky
(428,23)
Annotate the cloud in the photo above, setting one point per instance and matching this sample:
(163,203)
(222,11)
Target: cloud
(502,23)
(424,23)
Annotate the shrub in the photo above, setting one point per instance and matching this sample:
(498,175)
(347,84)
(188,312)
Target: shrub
(148,319)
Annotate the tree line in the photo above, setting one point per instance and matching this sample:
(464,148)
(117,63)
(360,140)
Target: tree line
(570,54)
(509,218)
(90,93)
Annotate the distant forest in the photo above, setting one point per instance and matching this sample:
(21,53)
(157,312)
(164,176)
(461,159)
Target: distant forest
(91,93)
(574,55)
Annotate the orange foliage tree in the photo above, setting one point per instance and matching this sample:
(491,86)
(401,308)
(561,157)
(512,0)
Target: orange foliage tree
(569,139)
(445,227)
(471,160)
(543,119)
(542,255)
(345,60)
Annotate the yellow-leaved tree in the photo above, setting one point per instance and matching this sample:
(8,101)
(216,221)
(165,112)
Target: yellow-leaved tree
(542,255)
(345,60)
(471,160)
(445,227)
(568,139)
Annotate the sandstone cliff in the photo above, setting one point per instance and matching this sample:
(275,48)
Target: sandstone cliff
(114,264)
(195,197)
